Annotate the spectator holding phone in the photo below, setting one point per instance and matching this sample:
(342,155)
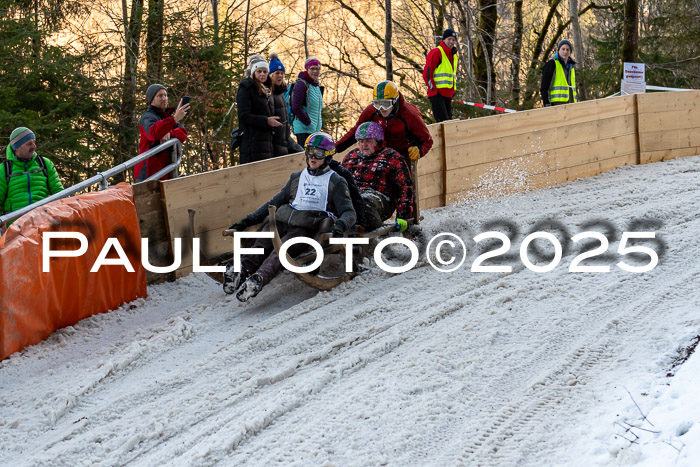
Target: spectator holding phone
(157,125)
(256,115)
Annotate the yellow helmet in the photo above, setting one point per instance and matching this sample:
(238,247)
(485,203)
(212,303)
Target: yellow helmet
(385,90)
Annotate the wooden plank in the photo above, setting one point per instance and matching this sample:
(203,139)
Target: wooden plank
(660,140)
(432,202)
(518,170)
(431,185)
(669,120)
(668,154)
(668,101)
(480,129)
(231,181)
(535,142)
(548,179)
(152,223)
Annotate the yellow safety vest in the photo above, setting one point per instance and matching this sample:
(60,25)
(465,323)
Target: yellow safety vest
(559,89)
(445,74)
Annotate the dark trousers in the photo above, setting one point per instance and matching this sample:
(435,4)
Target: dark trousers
(442,107)
(268,265)
(301,138)
(378,208)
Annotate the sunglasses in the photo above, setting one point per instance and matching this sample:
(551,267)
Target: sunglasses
(383,104)
(316,153)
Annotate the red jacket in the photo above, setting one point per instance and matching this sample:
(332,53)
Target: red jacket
(153,125)
(403,129)
(385,171)
(432,61)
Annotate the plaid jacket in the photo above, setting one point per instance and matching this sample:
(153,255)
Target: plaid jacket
(385,171)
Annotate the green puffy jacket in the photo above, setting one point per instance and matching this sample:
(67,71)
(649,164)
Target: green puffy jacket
(28,184)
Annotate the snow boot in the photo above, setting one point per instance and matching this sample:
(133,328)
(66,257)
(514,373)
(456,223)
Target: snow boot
(233,280)
(250,288)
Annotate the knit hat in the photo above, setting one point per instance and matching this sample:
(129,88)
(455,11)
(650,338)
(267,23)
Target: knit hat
(258,65)
(567,42)
(19,136)
(311,61)
(255,58)
(275,63)
(449,33)
(152,91)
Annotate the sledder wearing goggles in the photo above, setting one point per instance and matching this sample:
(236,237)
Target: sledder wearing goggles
(402,122)
(383,104)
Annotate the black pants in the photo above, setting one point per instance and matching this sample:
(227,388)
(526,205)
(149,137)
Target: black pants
(268,264)
(301,138)
(378,208)
(442,107)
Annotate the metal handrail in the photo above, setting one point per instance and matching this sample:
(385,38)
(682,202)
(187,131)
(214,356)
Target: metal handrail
(101,178)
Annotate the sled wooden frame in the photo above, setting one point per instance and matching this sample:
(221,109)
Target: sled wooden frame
(316,280)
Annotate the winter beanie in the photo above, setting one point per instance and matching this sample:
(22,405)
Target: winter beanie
(311,61)
(275,63)
(449,33)
(258,65)
(567,42)
(152,91)
(255,58)
(19,136)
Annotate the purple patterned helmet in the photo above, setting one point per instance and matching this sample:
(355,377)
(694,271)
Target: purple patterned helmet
(322,141)
(370,130)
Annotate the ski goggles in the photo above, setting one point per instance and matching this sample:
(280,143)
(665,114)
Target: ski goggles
(316,153)
(383,104)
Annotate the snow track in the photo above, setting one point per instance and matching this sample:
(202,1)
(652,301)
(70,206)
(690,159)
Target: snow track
(420,368)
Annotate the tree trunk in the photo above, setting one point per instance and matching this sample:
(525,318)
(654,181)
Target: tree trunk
(516,51)
(127,111)
(387,43)
(578,50)
(245,34)
(154,41)
(484,73)
(630,33)
(306,31)
(215,19)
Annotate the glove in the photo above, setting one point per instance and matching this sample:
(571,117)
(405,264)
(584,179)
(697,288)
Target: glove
(336,231)
(413,153)
(240,225)
(401,225)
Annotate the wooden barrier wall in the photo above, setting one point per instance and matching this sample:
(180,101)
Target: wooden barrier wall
(475,158)
(669,125)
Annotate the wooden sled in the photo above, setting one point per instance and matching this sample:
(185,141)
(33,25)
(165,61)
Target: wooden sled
(319,281)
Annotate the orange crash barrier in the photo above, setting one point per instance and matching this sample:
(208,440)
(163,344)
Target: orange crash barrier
(34,303)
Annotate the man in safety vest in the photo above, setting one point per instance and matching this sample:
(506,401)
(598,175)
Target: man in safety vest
(559,77)
(440,75)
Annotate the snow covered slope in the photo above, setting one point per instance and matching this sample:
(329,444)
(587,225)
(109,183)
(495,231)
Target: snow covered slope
(421,368)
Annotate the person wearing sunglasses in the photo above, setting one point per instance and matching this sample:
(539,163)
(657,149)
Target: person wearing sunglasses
(382,176)
(313,201)
(401,122)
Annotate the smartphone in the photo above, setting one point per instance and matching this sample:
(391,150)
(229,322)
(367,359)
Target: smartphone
(186,100)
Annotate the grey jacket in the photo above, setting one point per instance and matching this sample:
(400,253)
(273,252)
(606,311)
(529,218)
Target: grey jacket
(339,203)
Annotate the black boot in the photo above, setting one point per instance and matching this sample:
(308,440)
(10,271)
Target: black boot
(250,288)
(233,280)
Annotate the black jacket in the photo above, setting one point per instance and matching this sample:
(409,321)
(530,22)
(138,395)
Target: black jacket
(282,141)
(253,111)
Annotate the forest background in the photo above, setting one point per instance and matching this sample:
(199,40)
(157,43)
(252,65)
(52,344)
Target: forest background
(76,72)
